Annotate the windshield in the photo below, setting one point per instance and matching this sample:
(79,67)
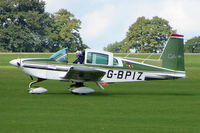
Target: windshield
(60,56)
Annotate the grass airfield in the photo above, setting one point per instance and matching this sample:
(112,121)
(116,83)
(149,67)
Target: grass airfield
(165,106)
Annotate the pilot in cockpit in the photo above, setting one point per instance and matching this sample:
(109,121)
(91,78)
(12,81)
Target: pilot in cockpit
(80,58)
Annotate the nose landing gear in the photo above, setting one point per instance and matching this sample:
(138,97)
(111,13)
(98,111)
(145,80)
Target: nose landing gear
(36,89)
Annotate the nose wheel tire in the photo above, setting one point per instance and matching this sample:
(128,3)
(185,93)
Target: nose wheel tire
(36,89)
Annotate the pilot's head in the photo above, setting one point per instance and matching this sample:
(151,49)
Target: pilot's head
(78,53)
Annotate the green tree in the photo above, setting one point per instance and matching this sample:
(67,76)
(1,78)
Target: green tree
(23,25)
(114,48)
(147,35)
(26,27)
(193,45)
(67,28)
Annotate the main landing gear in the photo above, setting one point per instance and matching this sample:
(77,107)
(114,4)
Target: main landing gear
(79,88)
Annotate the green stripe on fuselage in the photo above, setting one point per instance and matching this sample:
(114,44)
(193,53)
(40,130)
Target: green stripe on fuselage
(126,65)
(44,61)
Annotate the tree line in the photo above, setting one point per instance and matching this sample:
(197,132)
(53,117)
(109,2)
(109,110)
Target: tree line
(146,36)
(26,27)
(150,36)
(193,45)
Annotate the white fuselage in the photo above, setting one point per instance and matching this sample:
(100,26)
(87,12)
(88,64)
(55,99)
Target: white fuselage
(58,72)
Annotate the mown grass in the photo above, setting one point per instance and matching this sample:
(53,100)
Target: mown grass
(165,106)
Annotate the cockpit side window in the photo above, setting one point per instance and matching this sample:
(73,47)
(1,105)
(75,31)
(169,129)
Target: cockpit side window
(97,58)
(115,62)
(89,57)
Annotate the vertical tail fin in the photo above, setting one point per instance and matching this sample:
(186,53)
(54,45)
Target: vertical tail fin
(173,54)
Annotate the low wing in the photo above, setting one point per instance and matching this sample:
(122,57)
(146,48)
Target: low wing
(82,73)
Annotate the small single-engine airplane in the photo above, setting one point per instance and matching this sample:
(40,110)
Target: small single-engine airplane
(103,67)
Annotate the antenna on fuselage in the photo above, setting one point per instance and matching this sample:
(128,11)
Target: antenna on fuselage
(147,58)
(127,55)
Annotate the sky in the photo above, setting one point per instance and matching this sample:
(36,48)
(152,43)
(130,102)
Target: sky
(107,21)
